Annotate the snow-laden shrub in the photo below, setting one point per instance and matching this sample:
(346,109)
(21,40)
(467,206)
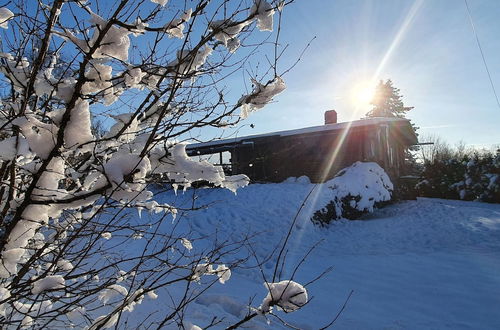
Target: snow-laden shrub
(482,179)
(354,191)
(439,176)
(473,177)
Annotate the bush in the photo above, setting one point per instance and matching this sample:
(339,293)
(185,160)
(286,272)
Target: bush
(354,191)
(474,177)
(439,176)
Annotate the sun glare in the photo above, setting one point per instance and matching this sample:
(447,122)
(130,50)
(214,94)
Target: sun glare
(362,94)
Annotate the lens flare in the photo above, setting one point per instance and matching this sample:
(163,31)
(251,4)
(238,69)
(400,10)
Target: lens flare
(362,94)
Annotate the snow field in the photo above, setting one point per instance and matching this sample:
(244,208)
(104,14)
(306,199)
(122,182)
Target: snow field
(425,264)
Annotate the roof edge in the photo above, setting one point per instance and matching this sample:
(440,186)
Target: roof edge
(312,129)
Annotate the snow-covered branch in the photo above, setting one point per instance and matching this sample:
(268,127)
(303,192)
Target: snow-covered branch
(76,248)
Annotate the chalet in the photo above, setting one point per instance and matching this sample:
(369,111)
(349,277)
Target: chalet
(318,152)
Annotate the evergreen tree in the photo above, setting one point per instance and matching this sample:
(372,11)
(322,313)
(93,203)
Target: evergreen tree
(387,101)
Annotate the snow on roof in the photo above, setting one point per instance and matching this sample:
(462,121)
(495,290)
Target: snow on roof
(312,129)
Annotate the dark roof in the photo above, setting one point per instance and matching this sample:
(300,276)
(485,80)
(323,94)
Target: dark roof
(225,143)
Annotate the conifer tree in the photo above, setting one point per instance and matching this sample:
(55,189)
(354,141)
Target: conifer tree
(387,102)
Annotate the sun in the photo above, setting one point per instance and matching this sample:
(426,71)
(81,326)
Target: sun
(362,94)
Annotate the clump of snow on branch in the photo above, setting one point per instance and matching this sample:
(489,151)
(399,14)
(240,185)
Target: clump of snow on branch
(16,70)
(112,291)
(114,44)
(188,62)
(10,259)
(287,296)
(27,322)
(227,30)
(261,95)
(228,34)
(183,170)
(78,128)
(64,265)
(15,147)
(152,295)
(4,295)
(5,16)
(41,136)
(191,326)
(52,282)
(106,235)
(187,243)
(133,78)
(264,13)
(99,81)
(160,2)
(48,184)
(175,28)
(105,322)
(221,271)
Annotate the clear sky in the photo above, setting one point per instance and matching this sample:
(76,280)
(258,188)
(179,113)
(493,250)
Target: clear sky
(427,48)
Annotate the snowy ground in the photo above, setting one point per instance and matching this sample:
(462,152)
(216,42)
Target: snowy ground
(425,264)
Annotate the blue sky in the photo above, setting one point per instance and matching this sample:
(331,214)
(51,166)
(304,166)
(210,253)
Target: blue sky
(430,54)
(427,48)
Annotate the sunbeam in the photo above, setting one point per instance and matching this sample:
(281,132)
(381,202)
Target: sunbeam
(399,36)
(363,94)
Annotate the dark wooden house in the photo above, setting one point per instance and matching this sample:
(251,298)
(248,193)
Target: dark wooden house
(318,152)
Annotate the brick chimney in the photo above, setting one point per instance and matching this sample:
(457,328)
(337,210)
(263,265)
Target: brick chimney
(330,117)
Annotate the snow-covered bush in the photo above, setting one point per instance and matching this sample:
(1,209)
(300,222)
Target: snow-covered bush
(482,178)
(439,178)
(354,191)
(474,177)
(76,248)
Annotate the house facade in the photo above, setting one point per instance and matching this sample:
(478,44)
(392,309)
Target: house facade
(318,152)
